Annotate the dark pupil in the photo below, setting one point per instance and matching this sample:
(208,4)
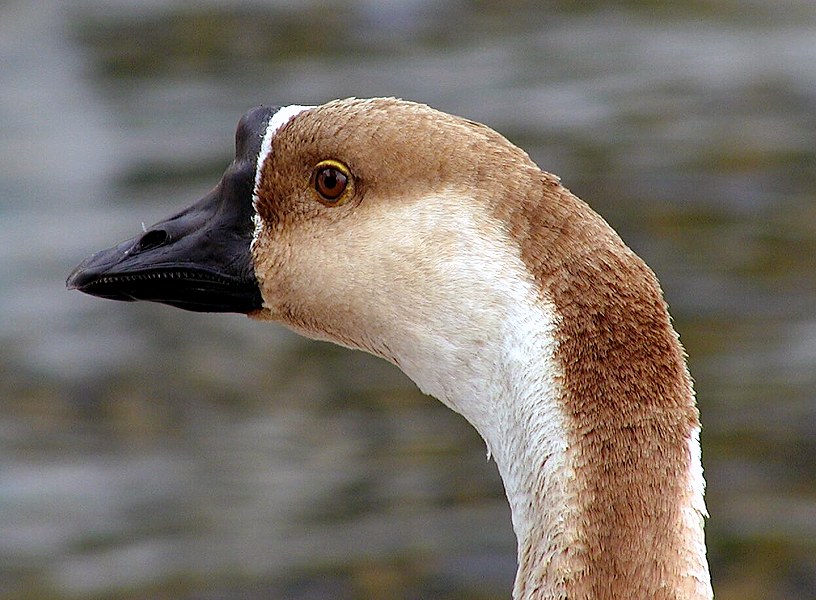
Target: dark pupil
(332,182)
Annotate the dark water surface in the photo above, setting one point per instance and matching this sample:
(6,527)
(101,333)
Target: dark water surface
(150,453)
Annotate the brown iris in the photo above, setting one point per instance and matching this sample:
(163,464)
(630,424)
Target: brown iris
(332,181)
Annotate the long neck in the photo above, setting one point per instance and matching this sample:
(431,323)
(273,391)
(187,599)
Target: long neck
(603,476)
(567,365)
(600,463)
(606,499)
(617,510)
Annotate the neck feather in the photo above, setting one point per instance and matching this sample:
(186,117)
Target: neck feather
(600,510)
(632,474)
(577,382)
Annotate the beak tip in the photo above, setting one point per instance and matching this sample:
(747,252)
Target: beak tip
(71,282)
(80,276)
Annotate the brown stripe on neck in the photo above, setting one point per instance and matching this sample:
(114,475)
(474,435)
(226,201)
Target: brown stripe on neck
(627,398)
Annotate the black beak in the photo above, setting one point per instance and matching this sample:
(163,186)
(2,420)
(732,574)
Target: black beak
(199,259)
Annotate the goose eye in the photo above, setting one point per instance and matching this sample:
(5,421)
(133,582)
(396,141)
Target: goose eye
(331,180)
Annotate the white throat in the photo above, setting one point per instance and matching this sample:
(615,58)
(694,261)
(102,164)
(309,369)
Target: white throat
(487,353)
(504,380)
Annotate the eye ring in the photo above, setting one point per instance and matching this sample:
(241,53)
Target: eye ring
(331,181)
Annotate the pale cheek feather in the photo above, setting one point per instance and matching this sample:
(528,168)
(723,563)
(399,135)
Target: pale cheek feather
(435,286)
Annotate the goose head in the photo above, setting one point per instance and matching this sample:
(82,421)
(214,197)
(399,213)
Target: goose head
(433,242)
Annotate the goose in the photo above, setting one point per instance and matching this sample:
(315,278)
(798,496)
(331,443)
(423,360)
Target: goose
(433,242)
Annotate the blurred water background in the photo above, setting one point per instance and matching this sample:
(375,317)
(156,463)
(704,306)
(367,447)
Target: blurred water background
(150,453)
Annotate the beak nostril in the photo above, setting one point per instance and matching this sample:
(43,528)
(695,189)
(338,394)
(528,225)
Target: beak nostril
(152,239)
